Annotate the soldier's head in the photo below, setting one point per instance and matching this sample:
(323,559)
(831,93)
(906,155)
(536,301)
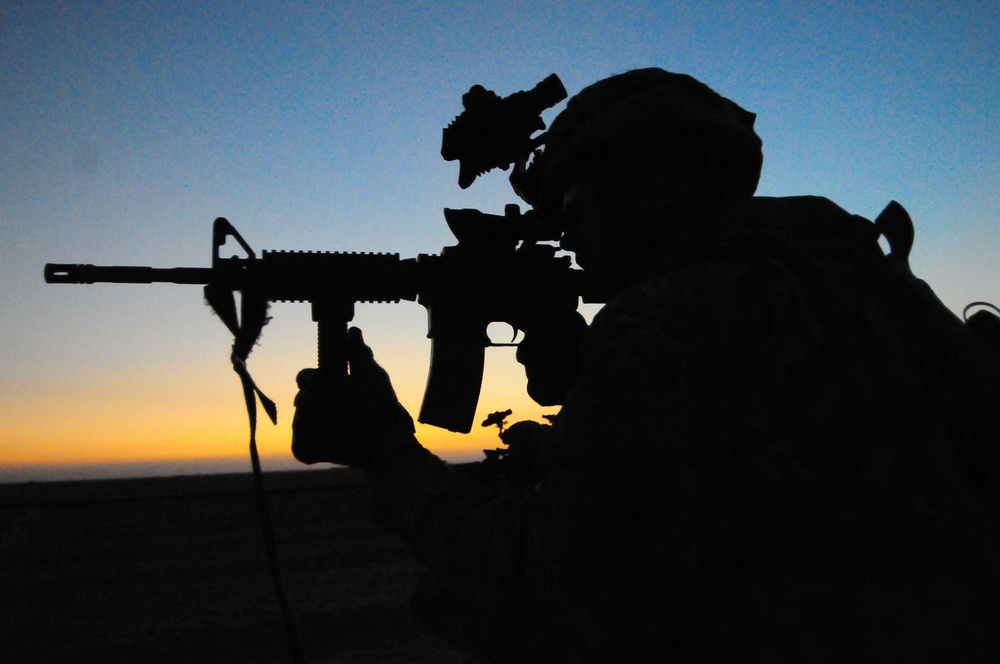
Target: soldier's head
(637,149)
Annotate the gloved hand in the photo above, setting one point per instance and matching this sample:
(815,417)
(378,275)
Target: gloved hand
(355,420)
(550,353)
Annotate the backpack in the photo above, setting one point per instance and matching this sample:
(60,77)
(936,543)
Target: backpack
(969,349)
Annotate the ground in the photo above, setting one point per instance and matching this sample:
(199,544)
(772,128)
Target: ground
(174,570)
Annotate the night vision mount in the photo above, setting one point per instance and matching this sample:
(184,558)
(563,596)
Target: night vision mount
(495,132)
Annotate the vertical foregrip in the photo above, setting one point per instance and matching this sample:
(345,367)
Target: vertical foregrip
(331,336)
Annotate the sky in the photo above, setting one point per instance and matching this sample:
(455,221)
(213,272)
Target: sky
(129,126)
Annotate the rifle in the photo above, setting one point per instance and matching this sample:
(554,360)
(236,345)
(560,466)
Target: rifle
(491,275)
(497,272)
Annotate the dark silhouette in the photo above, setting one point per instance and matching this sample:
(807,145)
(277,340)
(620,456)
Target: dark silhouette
(496,272)
(495,132)
(775,443)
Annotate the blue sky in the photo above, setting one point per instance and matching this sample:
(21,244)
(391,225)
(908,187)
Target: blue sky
(128,127)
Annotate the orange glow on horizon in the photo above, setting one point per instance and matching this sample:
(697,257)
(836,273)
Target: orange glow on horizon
(193,410)
(160,446)
(92,425)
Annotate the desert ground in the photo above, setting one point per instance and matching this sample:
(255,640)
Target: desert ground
(174,570)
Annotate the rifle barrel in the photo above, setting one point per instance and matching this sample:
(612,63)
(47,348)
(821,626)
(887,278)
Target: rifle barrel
(69,273)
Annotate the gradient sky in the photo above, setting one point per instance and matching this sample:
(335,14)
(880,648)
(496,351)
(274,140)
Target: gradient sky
(128,126)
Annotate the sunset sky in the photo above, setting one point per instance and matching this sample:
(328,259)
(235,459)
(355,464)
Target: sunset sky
(129,126)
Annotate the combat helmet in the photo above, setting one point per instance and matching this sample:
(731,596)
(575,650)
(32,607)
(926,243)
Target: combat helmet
(641,121)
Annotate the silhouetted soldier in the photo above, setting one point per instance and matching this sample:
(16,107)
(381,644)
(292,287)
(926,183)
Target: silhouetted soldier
(768,449)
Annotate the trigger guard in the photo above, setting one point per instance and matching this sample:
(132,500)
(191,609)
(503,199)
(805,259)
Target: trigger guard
(513,339)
